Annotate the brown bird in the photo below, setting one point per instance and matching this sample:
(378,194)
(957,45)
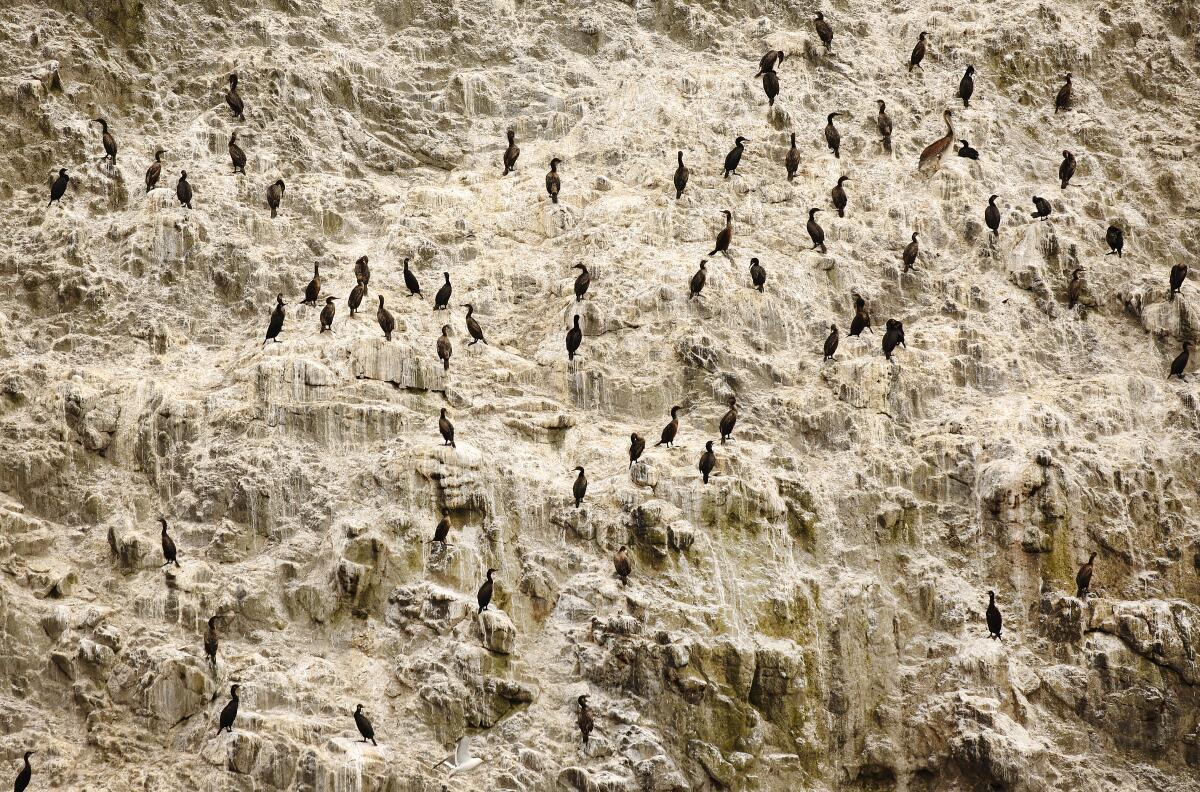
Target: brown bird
(1063,100)
(447,429)
(1074,289)
(275,196)
(1179,364)
(932,154)
(444,349)
(734,157)
(637,444)
(815,232)
(183,190)
(386,323)
(1041,208)
(824,31)
(696,285)
(154,171)
(681,177)
(511,153)
(1179,274)
(768,61)
(582,282)
(729,420)
(833,138)
(884,123)
(579,488)
(59,188)
(991,216)
(792,160)
(236,155)
(473,327)
(909,257)
(574,338)
(362,270)
(1114,237)
(831,342)
(210,641)
(110,143)
(621,565)
(918,53)
(442,532)
(553,182)
(313,290)
(410,281)
(862,317)
(725,236)
(234,100)
(708,461)
(966,86)
(1067,169)
(168,546)
(356,296)
(994,620)
(1083,579)
(838,194)
(584,721)
(758,275)
(670,430)
(770,81)
(327,314)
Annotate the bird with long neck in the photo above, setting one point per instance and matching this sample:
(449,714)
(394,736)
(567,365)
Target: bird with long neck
(932,154)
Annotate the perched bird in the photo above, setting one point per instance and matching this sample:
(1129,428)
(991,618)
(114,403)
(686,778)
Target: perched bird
(696,285)
(932,154)
(584,721)
(276,323)
(574,338)
(447,429)
(444,348)
(473,327)
(1041,208)
(484,597)
(275,196)
(670,430)
(386,323)
(681,177)
(966,86)
(815,232)
(59,188)
(994,621)
(582,281)
(356,296)
(553,182)
(724,236)
(362,270)
(210,641)
(883,123)
(758,275)
(327,314)
(1074,289)
(838,195)
(1063,100)
(24,776)
(410,281)
(168,546)
(966,151)
(1179,364)
(622,565)
(824,31)
(1115,239)
(442,532)
(729,420)
(364,726)
(833,138)
(229,712)
(637,444)
(792,160)
(1067,169)
(770,82)
(708,461)
(768,61)
(441,300)
(862,317)
(735,155)
(893,336)
(183,190)
(461,760)
(991,216)
(579,488)
(233,100)
(236,155)
(154,171)
(909,257)
(511,153)
(831,342)
(313,290)
(110,142)
(918,53)
(1083,578)
(1179,274)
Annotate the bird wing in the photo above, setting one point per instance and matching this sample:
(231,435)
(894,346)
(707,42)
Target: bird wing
(462,753)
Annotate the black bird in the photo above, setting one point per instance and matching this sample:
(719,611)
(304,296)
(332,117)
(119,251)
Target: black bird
(966,86)
(768,61)
(833,138)
(386,322)
(1063,100)
(918,53)
(758,275)
(994,621)
(236,155)
(670,430)
(1178,276)
(574,338)
(1179,364)
(1042,207)
(442,532)
(441,300)
(584,721)
(909,257)
(1067,169)
(364,726)
(410,282)
(210,641)
(770,86)
(485,591)
(327,314)
(884,123)
(110,143)
(893,336)
(792,160)
(362,270)
(168,546)
(275,196)
(1083,579)
(724,236)
(233,100)
(824,31)
(582,282)
(621,565)
(637,444)
(444,349)
(154,171)
(276,323)
(473,327)
(696,285)
(447,429)
(183,190)
(313,290)
(831,342)
(59,188)
(862,317)
(681,177)
(356,296)
(23,776)
(708,461)
(229,712)
(1115,238)
(511,153)
(729,420)
(579,488)
(838,194)
(966,151)
(1074,289)
(991,216)
(553,182)
(735,155)
(815,232)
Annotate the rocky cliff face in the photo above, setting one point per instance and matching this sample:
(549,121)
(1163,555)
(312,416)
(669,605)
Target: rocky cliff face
(813,618)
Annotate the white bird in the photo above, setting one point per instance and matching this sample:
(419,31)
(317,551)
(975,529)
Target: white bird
(461,760)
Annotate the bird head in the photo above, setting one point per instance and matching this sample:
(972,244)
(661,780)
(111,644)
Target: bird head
(753,261)
(233,691)
(833,328)
(580,469)
(708,446)
(358,708)
(158,154)
(182,175)
(62,171)
(446,275)
(621,549)
(970,69)
(675,410)
(992,199)
(924,35)
(881,104)
(739,140)
(554,163)
(445,329)
(579,267)
(582,700)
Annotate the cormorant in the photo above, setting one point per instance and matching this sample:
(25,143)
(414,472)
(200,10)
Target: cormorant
(815,232)
(991,215)
(994,621)
(770,86)
(966,151)
(1074,289)
(276,323)
(442,532)
(444,349)
(824,31)
(229,712)
(210,641)
(696,285)
(1115,238)
(327,314)
(893,336)
(1041,206)
(1063,100)
(356,296)
(833,138)
(313,290)
(511,153)
(909,257)
(724,236)
(729,420)
(637,444)
(838,194)
(168,546)
(862,317)
(154,171)
(362,270)
(473,327)
(574,338)
(883,122)
(275,196)
(681,177)
(386,323)
(966,86)
(233,100)
(1083,579)
(934,151)
(485,591)
(183,190)
(553,182)
(410,282)
(918,53)
(1178,276)
(59,188)
(1179,364)
(579,488)
(364,726)
(447,429)
(582,282)
(584,721)
(110,143)
(708,461)
(1067,169)
(622,565)
(670,430)
(24,776)
(831,342)
(441,300)
(758,275)
(735,155)
(236,155)
(792,160)
(767,62)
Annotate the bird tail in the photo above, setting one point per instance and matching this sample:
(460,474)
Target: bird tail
(887,143)
(841,213)
(272,211)
(678,194)
(553,199)
(705,478)
(446,364)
